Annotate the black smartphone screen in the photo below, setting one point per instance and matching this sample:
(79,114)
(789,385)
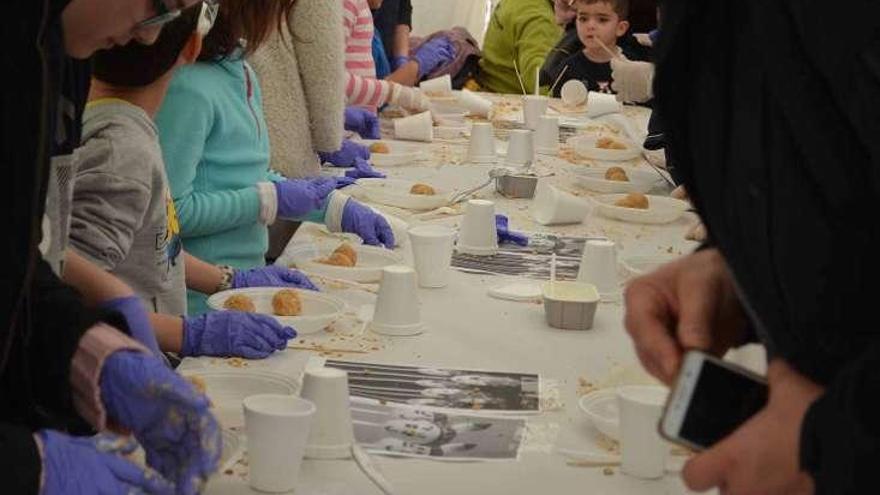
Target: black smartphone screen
(722,400)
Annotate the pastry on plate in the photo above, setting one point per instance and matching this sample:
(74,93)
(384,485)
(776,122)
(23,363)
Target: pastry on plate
(337,259)
(345,249)
(608,143)
(239,302)
(633,200)
(616,174)
(286,302)
(422,190)
(380,148)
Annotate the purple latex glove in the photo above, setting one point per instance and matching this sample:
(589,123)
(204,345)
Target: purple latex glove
(347,154)
(362,121)
(297,197)
(168,416)
(344,181)
(363,170)
(233,333)
(504,235)
(398,62)
(139,327)
(433,54)
(78,466)
(371,226)
(271,276)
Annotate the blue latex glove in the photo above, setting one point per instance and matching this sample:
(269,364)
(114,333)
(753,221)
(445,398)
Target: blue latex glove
(132,309)
(398,62)
(76,465)
(433,54)
(168,416)
(271,276)
(233,333)
(297,197)
(504,235)
(363,170)
(344,181)
(362,121)
(347,154)
(371,226)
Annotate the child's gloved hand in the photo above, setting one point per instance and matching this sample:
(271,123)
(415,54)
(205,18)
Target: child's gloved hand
(363,170)
(398,62)
(505,235)
(139,327)
(411,99)
(271,276)
(632,81)
(168,416)
(233,333)
(297,197)
(363,221)
(433,54)
(346,155)
(363,122)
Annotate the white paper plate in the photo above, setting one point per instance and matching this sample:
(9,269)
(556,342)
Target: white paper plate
(640,265)
(585,146)
(593,179)
(318,310)
(661,209)
(401,154)
(395,192)
(227,389)
(233,448)
(601,407)
(369,266)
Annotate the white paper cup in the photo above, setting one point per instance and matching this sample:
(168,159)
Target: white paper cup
(432,253)
(476,104)
(397,305)
(547,136)
(277,428)
(534,107)
(554,207)
(478,235)
(331,434)
(439,86)
(573,93)
(419,127)
(520,147)
(601,104)
(599,267)
(481,148)
(643,452)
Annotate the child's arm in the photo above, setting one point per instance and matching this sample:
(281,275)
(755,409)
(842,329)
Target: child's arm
(536,33)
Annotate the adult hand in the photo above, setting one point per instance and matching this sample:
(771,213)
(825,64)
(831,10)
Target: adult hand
(363,170)
(347,154)
(77,466)
(362,121)
(168,416)
(363,221)
(690,303)
(632,81)
(762,455)
(411,99)
(233,333)
(433,54)
(505,235)
(297,197)
(271,276)
(139,327)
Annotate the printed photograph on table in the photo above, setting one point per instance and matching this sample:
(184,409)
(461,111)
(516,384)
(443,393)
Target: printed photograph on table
(532,261)
(441,388)
(418,432)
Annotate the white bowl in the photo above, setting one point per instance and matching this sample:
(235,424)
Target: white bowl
(227,390)
(400,154)
(661,209)
(600,406)
(369,266)
(318,310)
(395,192)
(585,146)
(593,179)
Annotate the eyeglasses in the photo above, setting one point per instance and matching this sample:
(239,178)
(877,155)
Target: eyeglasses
(164,15)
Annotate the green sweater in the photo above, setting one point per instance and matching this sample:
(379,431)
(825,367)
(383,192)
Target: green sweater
(521,30)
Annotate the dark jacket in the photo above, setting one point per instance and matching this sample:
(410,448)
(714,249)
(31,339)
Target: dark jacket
(41,319)
(774,116)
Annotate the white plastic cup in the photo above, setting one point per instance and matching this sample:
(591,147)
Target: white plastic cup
(520,147)
(397,305)
(573,93)
(439,86)
(601,104)
(331,434)
(419,127)
(481,147)
(554,207)
(277,428)
(432,254)
(547,136)
(478,235)
(534,107)
(643,452)
(599,267)
(476,104)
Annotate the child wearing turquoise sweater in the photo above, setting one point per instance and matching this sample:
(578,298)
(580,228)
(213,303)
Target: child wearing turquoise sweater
(216,150)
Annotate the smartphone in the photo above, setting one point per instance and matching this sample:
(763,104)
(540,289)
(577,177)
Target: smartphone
(710,399)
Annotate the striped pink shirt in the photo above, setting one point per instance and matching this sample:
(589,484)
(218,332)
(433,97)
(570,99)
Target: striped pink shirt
(362,88)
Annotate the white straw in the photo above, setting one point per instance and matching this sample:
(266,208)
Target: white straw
(558,78)
(519,77)
(613,55)
(537,80)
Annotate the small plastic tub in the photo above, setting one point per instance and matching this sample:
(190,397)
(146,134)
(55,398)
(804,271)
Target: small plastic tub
(570,305)
(517,186)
